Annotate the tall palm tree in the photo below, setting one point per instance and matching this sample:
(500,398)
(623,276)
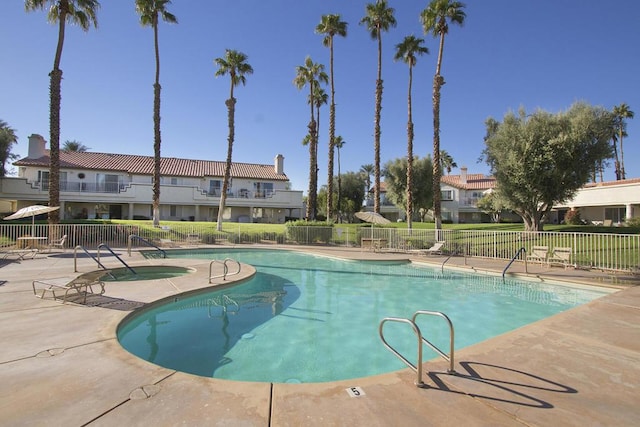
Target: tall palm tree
(319,99)
(74,146)
(82,13)
(379,18)
(150,12)
(234,64)
(435,20)
(446,161)
(7,139)
(622,112)
(330,26)
(339,143)
(407,51)
(367,170)
(311,74)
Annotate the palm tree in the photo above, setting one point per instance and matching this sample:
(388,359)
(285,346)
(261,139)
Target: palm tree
(330,26)
(311,74)
(407,51)
(7,139)
(434,20)
(446,162)
(379,18)
(82,13)
(339,142)
(367,170)
(235,64)
(150,11)
(622,112)
(74,146)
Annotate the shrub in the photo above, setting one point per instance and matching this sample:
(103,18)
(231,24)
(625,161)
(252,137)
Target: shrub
(573,217)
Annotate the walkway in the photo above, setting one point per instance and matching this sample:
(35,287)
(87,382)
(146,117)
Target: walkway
(62,365)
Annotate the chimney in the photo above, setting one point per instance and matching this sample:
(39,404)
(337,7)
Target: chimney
(36,146)
(463,175)
(279,164)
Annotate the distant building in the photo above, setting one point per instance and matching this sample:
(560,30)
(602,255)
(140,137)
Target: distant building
(119,186)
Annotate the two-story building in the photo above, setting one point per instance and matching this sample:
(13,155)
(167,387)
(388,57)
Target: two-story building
(459,195)
(119,186)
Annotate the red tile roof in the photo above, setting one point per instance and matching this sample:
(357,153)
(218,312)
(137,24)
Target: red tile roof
(143,165)
(612,183)
(475,181)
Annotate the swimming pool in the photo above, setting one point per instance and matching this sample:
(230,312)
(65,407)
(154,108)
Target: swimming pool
(146,272)
(307,318)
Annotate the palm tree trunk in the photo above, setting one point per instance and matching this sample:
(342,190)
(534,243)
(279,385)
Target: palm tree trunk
(55,100)
(231,103)
(156,133)
(623,175)
(409,155)
(313,163)
(438,81)
(376,133)
(332,134)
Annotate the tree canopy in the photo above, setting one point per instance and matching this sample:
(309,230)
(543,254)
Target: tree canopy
(542,159)
(395,179)
(7,139)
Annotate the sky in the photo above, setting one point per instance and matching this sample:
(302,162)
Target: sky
(535,54)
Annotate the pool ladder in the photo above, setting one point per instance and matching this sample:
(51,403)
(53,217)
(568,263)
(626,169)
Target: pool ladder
(421,340)
(225,269)
(522,249)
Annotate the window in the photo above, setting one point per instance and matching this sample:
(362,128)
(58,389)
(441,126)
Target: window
(215,187)
(43,179)
(446,195)
(263,189)
(106,183)
(173,211)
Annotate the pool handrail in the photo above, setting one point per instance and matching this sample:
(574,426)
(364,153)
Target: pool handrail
(143,240)
(421,340)
(522,249)
(225,269)
(104,245)
(75,262)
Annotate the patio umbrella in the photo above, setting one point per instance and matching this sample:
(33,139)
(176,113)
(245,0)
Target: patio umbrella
(31,211)
(372,217)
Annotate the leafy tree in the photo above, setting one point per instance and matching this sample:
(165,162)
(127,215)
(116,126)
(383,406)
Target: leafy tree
(331,26)
(311,74)
(234,64)
(446,161)
(352,193)
(379,18)
(395,178)
(435,20)
(7,139)
(407,51)
(82,13)
(367,170)
(150,11)
(492,205)
(542,159)
(622,112)
(74,146)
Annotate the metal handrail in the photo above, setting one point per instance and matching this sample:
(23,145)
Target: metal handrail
(75,261)
(418,366)
(450,357)
(421,340)
(522,249)
(225,269)
(104,245)
(135,236)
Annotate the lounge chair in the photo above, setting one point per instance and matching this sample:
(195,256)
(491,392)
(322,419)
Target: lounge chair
(560,256)
(82,285)
(57,243)
(538,254)
(20,253)
(436,249)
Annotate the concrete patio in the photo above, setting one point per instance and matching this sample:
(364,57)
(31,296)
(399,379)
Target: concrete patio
(61,364)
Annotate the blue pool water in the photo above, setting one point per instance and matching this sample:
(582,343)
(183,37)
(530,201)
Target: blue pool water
(306,318)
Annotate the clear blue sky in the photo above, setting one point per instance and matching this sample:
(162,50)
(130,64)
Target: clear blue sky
(536,54)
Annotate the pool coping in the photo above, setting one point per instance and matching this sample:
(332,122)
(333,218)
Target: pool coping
(578,367)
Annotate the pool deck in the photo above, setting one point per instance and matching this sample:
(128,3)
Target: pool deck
(60,364)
